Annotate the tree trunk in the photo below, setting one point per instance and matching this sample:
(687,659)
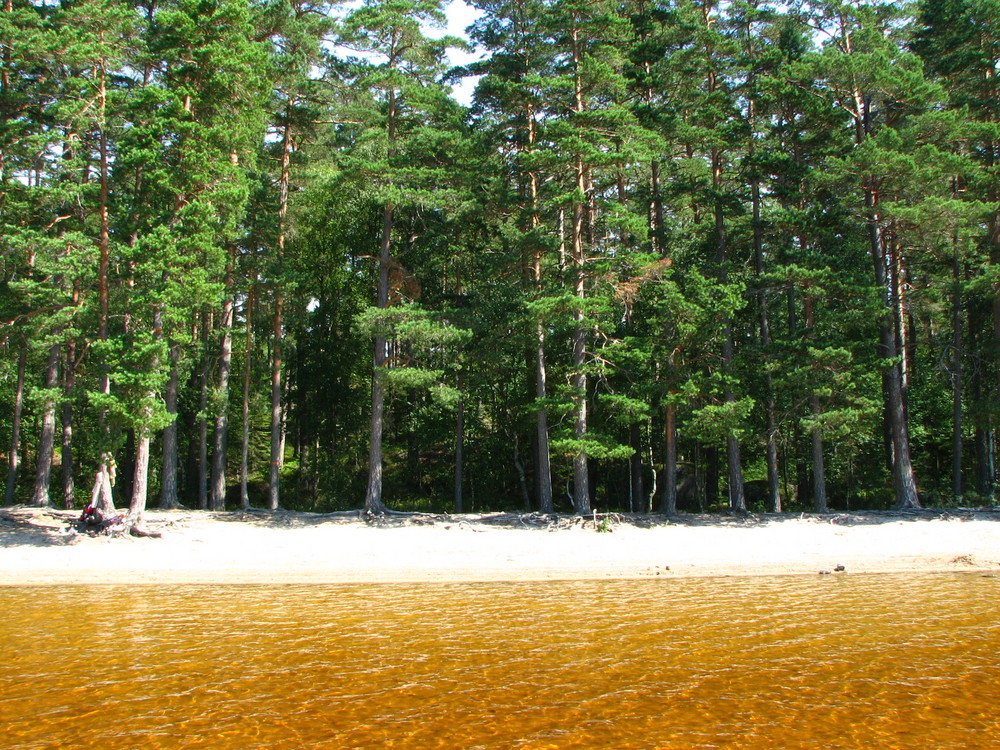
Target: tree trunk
(669,506)
(168,485)
(956,382)
(13,460)
(658,222)
(274,476)
(144,435)
(277,454)
(637,490)
(103,499)
(206,327)
(581,478)
(459,450)
(373,493)
(69,383)
(984,463)
(543,460)
(819,467)
(904,482)
(771,450)
(581,484)
(245,450)
(711,476)
(217,499)
(46,441)
(140,477)
(734,459)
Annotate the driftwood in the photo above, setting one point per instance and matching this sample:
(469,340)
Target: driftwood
(100,517)
(96,522)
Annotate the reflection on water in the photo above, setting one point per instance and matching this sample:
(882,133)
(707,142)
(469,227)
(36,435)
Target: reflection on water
(825,662)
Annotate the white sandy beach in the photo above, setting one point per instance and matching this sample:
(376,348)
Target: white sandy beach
(39,546)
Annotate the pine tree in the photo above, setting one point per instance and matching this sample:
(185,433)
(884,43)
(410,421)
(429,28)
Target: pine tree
(870,77)
(400,131)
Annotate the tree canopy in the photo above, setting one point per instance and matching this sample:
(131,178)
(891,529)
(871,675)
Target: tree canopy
(674,255)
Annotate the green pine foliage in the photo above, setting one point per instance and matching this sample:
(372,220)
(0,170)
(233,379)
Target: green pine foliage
(675,251)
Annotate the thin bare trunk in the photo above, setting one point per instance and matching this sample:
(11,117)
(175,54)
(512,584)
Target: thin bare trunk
(168,484)
(581,482)
(816,433)
(277,454)
(956,381)
(669,505)
(217,499)
(460,449)
(581,479)
(274,476)
(771,449)
(637,490)
(46,441)
(893,384)
(373,493)
(544,462)
(206,327)
(144,438)
(13,460)
(897,275)
(103,499)
(734,459)
(245,451)
(819,467)
(69,383)
(904,482)
(658,222)
(543,459)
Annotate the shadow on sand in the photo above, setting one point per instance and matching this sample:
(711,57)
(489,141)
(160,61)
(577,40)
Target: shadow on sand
(48,527)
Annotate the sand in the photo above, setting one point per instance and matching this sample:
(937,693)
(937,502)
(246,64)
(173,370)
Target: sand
(41,546)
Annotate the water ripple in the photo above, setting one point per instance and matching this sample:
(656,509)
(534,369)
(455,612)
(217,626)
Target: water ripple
(877,662)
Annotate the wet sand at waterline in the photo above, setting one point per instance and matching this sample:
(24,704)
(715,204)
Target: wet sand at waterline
(40,546)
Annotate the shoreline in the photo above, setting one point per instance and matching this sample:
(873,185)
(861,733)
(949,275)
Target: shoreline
(39,547)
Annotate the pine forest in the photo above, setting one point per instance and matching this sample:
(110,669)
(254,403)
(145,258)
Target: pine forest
(675,255)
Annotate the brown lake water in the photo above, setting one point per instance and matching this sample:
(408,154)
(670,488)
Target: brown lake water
(798,662)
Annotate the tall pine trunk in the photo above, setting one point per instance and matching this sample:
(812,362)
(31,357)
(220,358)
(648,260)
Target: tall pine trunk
(217,496)
(140,477)
(277,452)
(771,446)
(13,460)
(69,384)
(373,493)
(904,482)
(669,504)
(819,465)
(816,433)
(46,440)
(893,386)
(247,372)
(460,448)
(581,478)
(202,490)
(102,499)
(637,490)
(168,484)
(956,380)
(543,460)
(734,458)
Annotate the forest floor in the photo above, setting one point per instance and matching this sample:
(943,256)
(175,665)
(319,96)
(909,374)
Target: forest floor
(46,546)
